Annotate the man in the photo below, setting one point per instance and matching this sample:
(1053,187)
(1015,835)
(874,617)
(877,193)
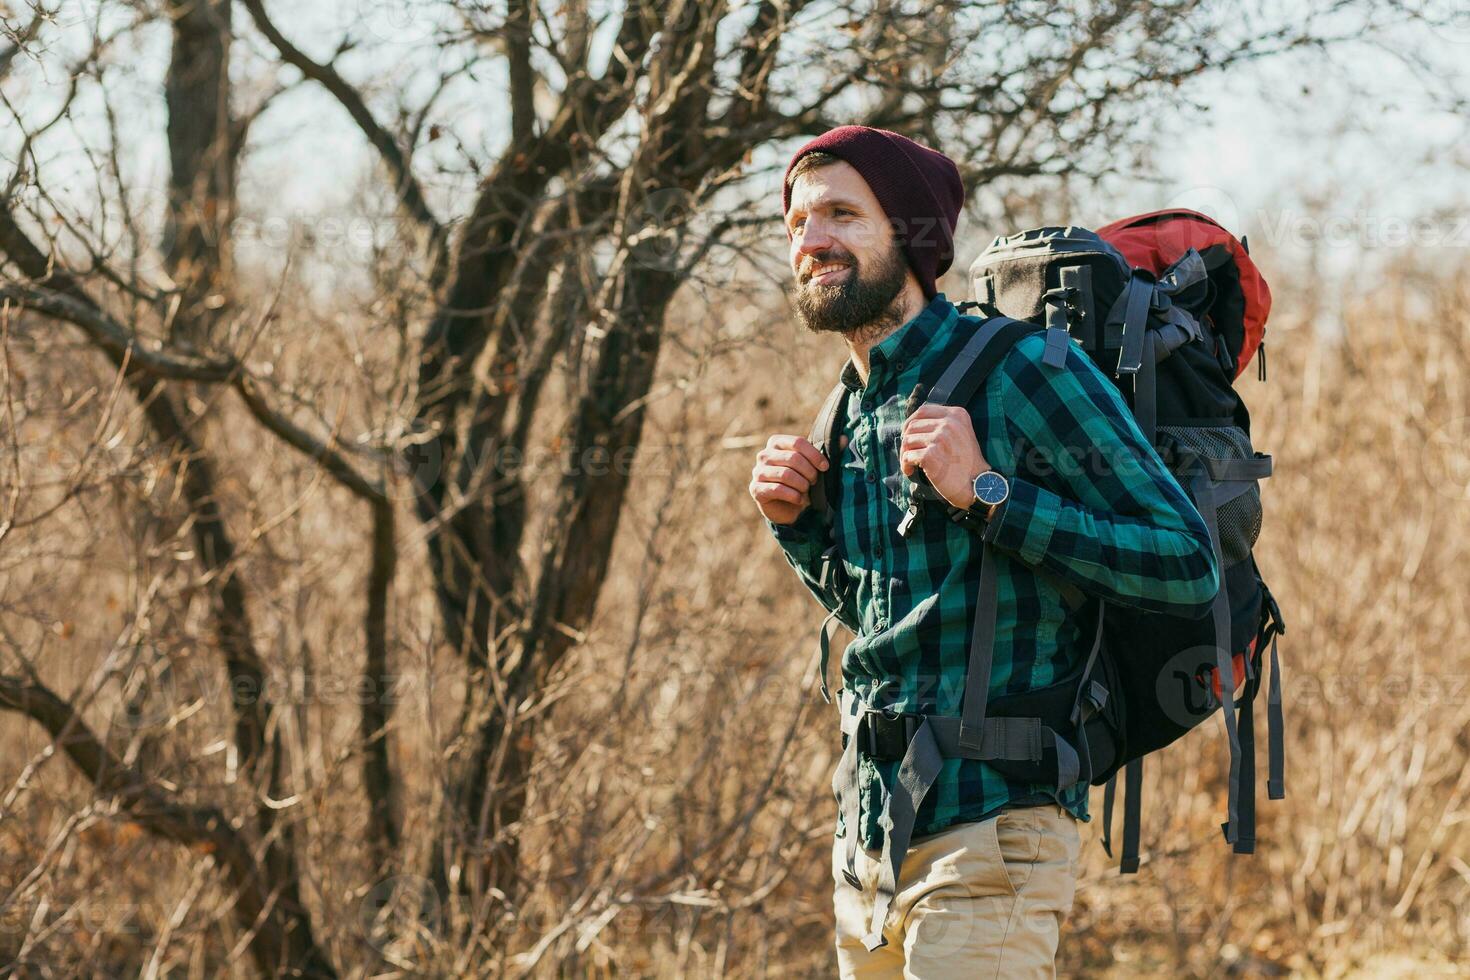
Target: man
(1085,511)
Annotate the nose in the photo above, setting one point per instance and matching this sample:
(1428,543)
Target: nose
(812,239)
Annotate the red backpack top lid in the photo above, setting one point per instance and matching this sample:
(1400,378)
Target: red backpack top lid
(1242,300)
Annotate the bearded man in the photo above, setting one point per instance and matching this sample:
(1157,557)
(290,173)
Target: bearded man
(976,876)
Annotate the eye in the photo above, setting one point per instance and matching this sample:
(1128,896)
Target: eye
(843,213)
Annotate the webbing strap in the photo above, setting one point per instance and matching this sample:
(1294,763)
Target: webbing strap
(982,644)
(1221,470)
(845,788)
(1132,815)
(1091,697)
(1082,689)
(1110,793)
(831,577)
(935,739)
(1245,839)
(1058,319)
(1205,501)
(1146,391)
(985,291)
(944,390)
(1004,739)
(916,773)
(1132,309)
(1276,752)
(824,652)
(825,436)
(1069,764)
(1055,354)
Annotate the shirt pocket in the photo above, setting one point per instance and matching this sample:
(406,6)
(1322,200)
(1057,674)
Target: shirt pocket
(897,488)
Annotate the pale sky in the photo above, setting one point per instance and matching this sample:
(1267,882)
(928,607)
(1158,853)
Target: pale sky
(1296,152)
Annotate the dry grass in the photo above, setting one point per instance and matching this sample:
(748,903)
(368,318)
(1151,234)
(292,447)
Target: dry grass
(680,817)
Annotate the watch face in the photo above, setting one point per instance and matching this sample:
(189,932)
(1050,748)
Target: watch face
(990,487)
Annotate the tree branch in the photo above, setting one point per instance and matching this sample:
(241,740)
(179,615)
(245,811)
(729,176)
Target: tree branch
(396,157)
(265,905)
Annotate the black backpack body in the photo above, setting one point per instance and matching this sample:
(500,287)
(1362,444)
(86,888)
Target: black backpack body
(1171,337)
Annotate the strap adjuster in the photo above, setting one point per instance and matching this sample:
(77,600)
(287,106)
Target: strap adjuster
(886,734)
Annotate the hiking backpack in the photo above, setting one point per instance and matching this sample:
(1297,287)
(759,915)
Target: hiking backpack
(1172,309)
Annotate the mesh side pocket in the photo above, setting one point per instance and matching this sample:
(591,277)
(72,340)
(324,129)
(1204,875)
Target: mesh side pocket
(1240,518)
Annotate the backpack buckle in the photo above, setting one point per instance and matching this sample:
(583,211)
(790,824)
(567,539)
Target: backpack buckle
(886,734)
(829,568)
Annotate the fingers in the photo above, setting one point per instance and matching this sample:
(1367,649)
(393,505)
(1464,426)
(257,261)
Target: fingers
(788,459)
(798,445)
(929,410)
(783,474)
(920,439)
(924,425)
(912,459)
(790,476)
(928,416)
(767,492)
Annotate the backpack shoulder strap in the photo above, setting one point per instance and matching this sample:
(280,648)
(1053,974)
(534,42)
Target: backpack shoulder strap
(957,386)
(826,436)
(989,345)
(962,377)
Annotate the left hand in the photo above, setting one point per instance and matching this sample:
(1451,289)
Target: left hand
(941,439)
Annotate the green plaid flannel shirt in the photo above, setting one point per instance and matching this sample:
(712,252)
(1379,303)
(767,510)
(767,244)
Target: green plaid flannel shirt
(1091,504)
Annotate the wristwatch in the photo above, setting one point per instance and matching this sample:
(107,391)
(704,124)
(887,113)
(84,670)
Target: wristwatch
(991,490)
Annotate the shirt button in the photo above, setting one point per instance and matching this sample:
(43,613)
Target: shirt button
(872,478)
(878,551)
(867,404)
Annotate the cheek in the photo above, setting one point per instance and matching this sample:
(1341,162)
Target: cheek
(862,240)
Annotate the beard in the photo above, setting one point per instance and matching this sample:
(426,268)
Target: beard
(860,305)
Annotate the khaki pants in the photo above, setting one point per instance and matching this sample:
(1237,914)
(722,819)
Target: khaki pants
(984,899)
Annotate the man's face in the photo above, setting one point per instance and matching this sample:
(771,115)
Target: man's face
(848,268)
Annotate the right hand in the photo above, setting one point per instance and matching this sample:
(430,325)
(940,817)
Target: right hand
(783,475)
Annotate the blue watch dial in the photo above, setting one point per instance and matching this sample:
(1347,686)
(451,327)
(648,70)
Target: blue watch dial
(991,488)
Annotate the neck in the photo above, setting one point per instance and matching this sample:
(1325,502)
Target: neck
(909,303)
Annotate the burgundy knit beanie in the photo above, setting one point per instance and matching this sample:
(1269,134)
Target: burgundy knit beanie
(919,189)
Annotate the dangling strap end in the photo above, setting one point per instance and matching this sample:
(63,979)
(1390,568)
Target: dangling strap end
(824,653)
(971,739)
(1110,793)
(1275,733)
(1055,354)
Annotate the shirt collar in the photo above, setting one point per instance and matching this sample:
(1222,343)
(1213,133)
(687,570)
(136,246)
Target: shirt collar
(901,347)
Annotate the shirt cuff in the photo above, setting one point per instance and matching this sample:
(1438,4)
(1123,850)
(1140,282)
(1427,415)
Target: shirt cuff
(804,538)
(1024,523)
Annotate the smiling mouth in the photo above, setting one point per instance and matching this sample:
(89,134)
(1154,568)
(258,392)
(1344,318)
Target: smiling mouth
(827,272)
